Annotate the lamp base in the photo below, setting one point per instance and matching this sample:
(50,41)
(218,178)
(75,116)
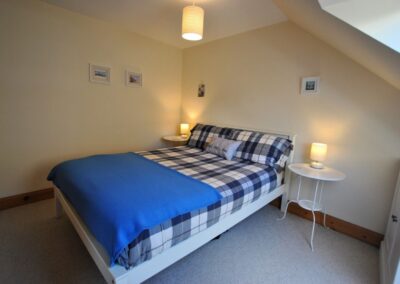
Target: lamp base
(317,165)
(184,136)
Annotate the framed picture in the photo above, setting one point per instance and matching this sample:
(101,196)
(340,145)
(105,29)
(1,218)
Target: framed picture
(99,74)
(309,85)
(133,79)
(201,90)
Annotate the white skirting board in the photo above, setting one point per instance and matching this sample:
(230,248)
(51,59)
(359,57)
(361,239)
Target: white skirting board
(119,275)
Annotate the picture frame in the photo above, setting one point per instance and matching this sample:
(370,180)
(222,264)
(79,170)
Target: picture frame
(309,85)
(201,91)
(133,78)
(99,74)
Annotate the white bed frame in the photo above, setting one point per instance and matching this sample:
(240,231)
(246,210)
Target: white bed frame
(119,275)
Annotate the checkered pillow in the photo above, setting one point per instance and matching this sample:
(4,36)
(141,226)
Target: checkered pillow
(203,134)
(262,148)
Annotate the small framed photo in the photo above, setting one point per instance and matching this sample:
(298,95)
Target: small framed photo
(133,79)
(99,74)
(309,85)
(201,90)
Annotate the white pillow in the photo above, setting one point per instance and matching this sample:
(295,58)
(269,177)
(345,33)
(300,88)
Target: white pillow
(224,148)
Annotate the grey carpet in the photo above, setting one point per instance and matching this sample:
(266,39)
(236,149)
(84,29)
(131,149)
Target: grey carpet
(37,248)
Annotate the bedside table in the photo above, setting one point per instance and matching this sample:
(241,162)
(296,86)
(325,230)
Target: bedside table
(319,176)
(175,140)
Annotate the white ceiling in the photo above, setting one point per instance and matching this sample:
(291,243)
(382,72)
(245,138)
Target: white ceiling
(161,19)
(378,19)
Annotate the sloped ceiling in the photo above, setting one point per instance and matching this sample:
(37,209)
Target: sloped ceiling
(368,52)
(161,19)
(378,19)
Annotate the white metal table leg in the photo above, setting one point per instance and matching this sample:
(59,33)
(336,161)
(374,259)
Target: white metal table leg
(284,214)
(312,232)
(299,189)
(320,203)
(312,211)
(291,201)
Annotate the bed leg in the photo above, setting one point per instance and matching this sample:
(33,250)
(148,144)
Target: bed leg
(59,209)
(284,201)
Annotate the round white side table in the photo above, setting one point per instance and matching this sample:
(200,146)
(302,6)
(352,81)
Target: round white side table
(320,176)
(175,140)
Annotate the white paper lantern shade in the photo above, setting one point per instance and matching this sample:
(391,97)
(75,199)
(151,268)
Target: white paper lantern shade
(192,23)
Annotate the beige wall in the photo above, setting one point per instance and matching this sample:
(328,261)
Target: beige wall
(48,109)
(50,112)
(252,80)
(370,53)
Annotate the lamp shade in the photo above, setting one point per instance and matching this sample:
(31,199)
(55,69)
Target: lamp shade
(318,152)
(192,23)
(184,129)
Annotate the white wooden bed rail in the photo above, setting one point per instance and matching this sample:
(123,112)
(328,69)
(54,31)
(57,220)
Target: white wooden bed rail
(119,275)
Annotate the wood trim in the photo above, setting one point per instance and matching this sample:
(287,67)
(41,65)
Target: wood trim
(25,198)
(333,223)
(341,226)
(276,202)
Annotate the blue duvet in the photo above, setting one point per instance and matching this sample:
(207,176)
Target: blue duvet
(118,196)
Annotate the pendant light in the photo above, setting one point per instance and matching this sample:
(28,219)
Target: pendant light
(192,23)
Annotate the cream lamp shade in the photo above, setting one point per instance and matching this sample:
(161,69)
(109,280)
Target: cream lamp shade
(184,128)
(318,155)
(192,23)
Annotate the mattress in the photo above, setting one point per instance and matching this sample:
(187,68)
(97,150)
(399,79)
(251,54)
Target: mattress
(239,182)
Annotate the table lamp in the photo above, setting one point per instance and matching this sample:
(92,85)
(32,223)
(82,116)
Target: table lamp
(318,155)
(184,130)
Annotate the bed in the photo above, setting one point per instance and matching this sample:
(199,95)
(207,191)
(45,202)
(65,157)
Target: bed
(245,187)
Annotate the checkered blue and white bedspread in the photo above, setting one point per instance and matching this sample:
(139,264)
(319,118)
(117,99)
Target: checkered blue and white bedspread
(239,182)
